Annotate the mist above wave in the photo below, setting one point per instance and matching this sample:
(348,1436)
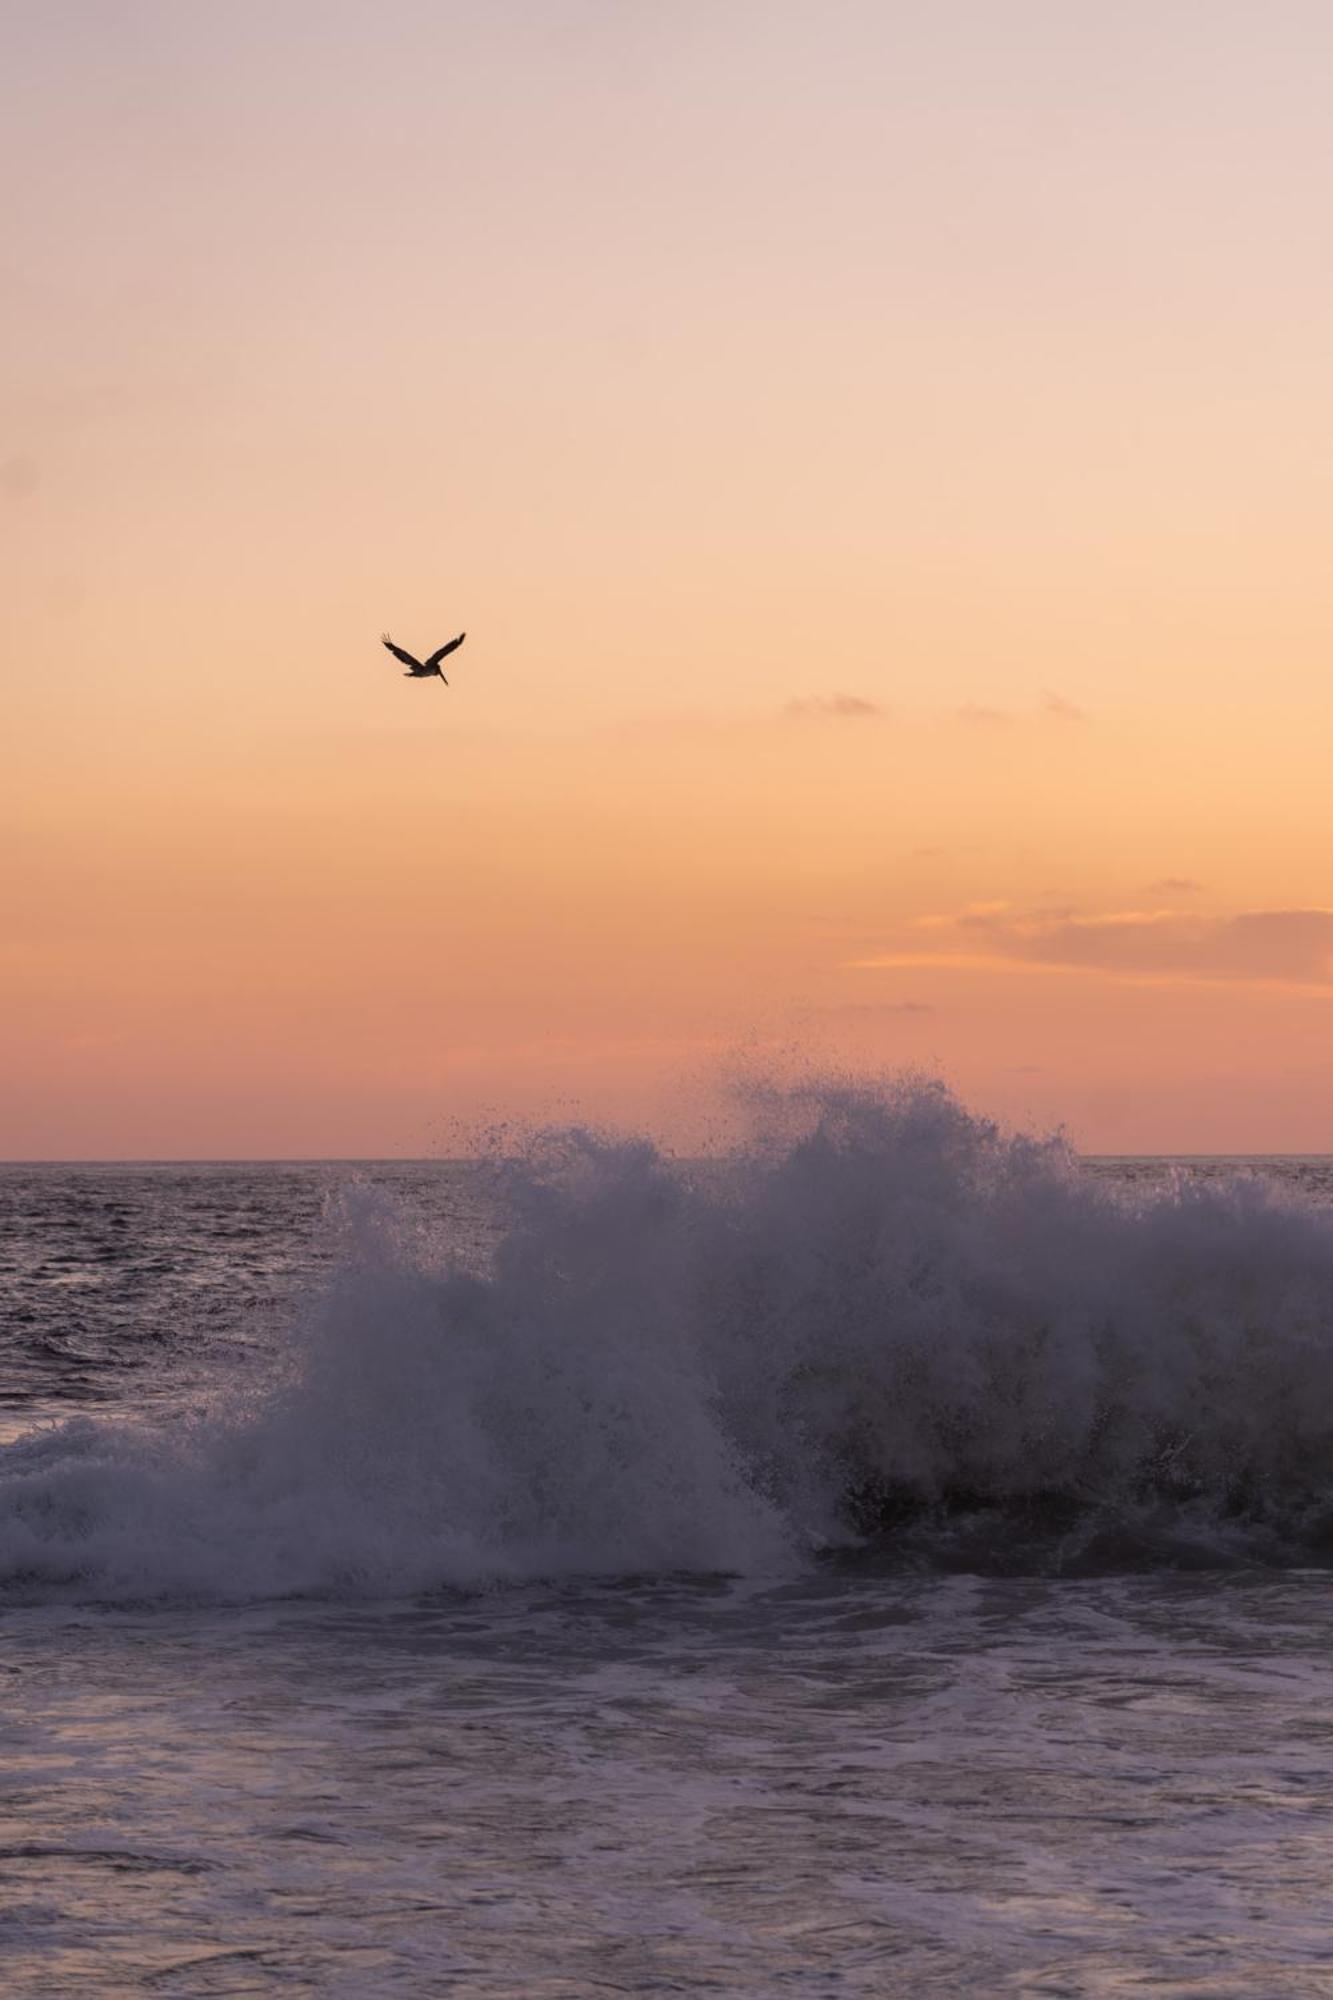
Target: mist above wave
(882,1316)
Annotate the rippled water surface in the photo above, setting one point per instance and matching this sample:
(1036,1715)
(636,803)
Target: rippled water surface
(840,1785)
(323,1673)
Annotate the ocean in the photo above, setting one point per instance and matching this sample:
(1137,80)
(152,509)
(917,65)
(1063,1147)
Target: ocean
(892,1560)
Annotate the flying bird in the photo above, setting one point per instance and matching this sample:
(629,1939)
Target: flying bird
(419,670)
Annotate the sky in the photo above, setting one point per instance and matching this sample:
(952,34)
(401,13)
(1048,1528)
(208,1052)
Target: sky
(882,455)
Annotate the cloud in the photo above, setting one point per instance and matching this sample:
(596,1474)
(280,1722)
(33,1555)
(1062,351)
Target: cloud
(1293,947)
(978,715)
(1175,885)
(846,707)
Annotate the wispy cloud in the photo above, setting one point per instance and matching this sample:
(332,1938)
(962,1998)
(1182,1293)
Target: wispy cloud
(1175,885)
(1053,706)
(839,707)
(1291,947)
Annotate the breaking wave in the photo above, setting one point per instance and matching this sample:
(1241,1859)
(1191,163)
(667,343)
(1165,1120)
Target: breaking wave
(885,1323)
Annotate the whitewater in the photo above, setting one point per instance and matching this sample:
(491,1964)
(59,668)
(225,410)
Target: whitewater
(891,1558)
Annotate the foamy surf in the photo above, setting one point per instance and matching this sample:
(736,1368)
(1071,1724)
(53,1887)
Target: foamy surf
(883,1318)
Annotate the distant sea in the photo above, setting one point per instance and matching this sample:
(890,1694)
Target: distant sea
(894,1561)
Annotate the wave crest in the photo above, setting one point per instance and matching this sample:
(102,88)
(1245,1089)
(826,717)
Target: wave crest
(884,1314)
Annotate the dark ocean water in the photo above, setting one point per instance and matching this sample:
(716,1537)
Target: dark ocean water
(891,1563)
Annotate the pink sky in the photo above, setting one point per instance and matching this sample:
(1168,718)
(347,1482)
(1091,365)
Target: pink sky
(881,457)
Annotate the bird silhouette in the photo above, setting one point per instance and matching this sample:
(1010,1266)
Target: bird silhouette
(419,670)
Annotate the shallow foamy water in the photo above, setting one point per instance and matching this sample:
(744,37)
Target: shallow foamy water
(847,1784)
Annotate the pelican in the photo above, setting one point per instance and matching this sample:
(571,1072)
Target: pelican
(420,670)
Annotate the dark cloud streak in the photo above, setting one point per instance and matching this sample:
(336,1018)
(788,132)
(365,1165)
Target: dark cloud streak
(836,707)
(1295,946)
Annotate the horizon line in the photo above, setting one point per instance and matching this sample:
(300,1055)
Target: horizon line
(467,1159)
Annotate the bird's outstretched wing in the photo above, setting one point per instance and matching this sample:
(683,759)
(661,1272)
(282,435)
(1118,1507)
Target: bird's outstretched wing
(399,654)
(441,651)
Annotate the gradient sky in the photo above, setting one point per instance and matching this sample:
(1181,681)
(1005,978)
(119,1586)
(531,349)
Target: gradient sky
(882,452)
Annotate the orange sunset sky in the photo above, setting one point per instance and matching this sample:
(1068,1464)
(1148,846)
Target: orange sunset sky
(881,452)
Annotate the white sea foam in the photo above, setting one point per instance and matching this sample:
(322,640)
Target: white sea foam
(883,1306)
